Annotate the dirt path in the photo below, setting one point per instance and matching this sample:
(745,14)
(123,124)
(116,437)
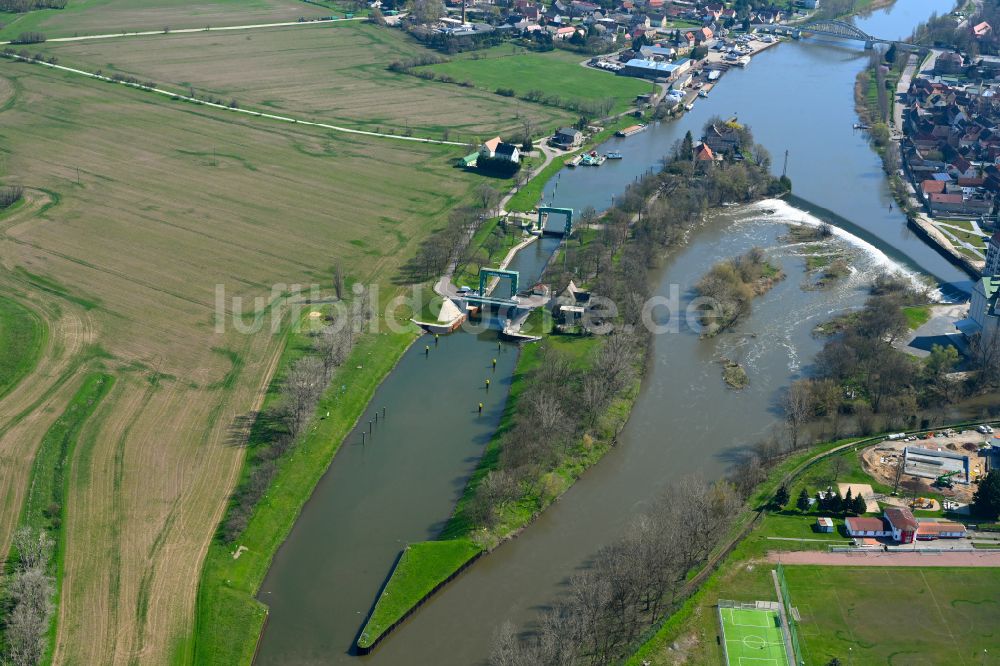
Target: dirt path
(146,33)
(249,112)
(977,558)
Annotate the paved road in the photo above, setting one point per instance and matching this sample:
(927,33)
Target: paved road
(901,87)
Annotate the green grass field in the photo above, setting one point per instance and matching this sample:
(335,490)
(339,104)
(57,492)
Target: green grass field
(753,637)
(894,616)
(22,335)
(555,72)
(421,568)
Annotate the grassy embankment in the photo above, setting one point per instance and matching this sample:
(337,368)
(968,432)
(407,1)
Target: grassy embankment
(22,336)
(516,515)
(230,619)
(45,504)
(415,576)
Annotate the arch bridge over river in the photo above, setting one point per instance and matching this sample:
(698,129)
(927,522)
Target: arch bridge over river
(833,28)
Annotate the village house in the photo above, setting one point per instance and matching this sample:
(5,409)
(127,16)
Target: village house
(948,62)
(495,148)
(703,155)
(657,52)
(722,139)
(982,30)
(567,137)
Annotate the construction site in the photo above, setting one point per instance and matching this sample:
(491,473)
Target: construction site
(945,463)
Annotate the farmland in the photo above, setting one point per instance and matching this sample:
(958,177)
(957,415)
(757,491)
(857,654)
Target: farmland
(326,72)
(22,334)
(895,615)
(556,73)
(136,208)
(112,16)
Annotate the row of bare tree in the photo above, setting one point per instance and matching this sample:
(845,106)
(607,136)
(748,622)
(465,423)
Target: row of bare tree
(561,402)
(21,6)
(276,430)
(451,244)
(27,611)
(630,585)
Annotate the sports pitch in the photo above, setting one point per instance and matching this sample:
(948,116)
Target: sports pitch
(752,637)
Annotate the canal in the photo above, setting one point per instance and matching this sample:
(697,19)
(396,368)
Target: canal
(401,484)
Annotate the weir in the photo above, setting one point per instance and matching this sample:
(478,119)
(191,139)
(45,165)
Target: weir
(401,485)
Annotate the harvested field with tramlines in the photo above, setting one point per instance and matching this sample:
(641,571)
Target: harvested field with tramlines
(334,73)
(113,16)
(135,207)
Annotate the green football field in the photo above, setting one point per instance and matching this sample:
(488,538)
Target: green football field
(753,637)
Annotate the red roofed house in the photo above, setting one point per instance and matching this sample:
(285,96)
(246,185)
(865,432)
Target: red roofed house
(703,34)
(927,531)
(899,525)
(933,187)
(703,153)
(866,527)
(903,524)
(564,33)
(489,148)
(981,30)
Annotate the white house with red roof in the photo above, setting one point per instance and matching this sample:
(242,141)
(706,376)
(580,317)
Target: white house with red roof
(897,523)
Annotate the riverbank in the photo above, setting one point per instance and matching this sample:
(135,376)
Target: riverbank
(528,196)
(514,517)
(229,618)
(514,483)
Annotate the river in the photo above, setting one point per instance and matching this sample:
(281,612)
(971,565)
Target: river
(400,486)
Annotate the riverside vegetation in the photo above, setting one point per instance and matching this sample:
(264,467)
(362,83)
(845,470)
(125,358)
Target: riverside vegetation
(572,395)
(731,285)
